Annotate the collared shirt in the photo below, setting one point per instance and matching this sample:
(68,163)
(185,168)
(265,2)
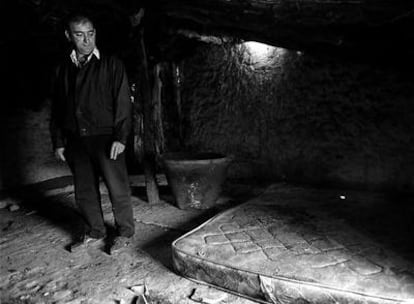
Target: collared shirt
(75,60)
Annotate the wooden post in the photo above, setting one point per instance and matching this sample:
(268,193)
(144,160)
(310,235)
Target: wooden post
(149,129)
(159,141)
(176,71)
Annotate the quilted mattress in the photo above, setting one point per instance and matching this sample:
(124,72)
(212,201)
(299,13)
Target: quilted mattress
(276,251)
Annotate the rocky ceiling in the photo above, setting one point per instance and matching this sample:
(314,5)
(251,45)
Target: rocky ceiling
(370,27)
(326,25)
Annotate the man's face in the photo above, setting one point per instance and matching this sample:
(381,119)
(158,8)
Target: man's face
(82,35)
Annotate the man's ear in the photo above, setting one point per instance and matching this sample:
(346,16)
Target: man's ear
(67,35)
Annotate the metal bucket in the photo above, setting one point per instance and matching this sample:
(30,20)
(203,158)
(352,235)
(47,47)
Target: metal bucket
(195,178)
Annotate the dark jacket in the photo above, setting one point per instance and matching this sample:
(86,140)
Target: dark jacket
(92,100)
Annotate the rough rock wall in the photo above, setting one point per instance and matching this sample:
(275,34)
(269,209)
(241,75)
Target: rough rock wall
(26,149)
(300,118)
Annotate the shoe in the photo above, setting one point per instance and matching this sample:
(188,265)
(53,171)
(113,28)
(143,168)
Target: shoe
(86,242)
(121,242)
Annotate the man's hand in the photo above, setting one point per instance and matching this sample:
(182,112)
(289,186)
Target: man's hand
(116,149)
(59,154)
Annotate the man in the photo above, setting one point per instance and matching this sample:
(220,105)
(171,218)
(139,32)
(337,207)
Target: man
(90,122)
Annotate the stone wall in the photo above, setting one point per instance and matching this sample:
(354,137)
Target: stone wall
(26,150)
(301,118)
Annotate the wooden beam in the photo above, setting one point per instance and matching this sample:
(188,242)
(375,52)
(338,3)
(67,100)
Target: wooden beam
(149,129)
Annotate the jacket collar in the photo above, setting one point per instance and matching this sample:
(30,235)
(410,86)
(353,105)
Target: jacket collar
(75,60)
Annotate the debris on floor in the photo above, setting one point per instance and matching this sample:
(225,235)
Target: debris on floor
(36,267)
(208,296)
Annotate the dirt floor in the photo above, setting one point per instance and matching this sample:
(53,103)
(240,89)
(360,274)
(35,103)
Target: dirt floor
(39,222)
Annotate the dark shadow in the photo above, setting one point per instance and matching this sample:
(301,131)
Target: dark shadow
(23,108)
(58,208)
(385,218)
(160,248)
(164,192)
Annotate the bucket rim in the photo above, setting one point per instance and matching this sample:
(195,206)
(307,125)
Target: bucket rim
(194,157)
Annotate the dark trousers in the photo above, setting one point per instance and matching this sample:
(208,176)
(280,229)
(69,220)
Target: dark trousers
(88,159)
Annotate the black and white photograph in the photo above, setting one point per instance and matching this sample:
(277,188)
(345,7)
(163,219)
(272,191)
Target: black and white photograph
(207,151)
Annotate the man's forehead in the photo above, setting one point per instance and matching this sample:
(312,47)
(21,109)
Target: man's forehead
(82,26)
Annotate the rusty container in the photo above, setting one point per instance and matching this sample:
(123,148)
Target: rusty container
(195,179)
